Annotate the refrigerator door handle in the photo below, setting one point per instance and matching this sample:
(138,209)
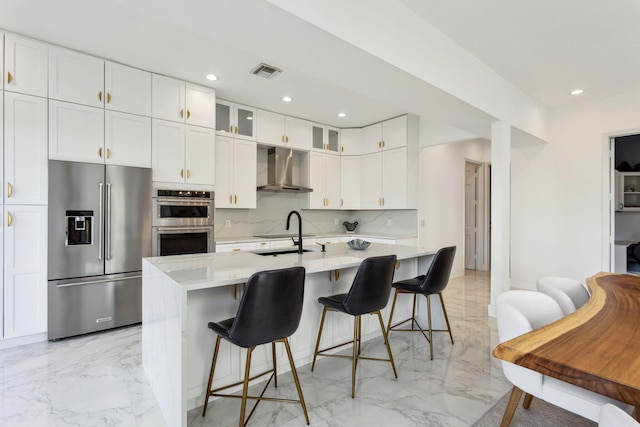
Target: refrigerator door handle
(108,230)
(101,198)
(96,282)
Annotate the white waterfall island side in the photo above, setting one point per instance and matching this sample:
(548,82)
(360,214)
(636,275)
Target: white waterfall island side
(181,294)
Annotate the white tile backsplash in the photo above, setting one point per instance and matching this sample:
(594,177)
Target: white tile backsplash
(270,217)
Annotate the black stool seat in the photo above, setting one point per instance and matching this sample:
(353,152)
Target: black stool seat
(335,302)
(269,312)
(410,285)
(369,293)
(432,283)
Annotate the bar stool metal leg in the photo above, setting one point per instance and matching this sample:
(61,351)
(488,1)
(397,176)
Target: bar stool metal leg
(354,363)
(315,353)
(213,368)
(245,387)
(295,379)
(446,318)
(275,367)
(386,343)
(430,327)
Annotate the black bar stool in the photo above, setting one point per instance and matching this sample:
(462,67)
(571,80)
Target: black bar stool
(269,312)
(368,294)
(433,282)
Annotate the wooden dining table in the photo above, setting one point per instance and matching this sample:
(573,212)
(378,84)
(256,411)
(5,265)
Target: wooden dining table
(597,347)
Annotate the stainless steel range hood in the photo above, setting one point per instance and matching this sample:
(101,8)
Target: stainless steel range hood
(279,172)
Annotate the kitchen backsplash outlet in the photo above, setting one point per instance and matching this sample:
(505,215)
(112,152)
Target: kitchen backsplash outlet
(271,211)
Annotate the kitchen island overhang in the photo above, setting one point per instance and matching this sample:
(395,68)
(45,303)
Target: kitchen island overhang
(182,293)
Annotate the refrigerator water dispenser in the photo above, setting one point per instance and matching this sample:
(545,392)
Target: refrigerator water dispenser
(79,228)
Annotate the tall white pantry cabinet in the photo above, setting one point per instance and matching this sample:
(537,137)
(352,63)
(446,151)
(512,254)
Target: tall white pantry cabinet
(24,188)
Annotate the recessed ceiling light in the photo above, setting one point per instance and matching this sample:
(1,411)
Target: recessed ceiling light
(342,114)
(577,92)
(212,77)
(287,99)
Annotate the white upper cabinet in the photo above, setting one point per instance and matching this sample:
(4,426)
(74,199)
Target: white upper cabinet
(235,120)
(350,182)
(201,106)
(76,77)
(182,102)
(283,131)
(25,66)
(324,179)
(351,142)
(128,89)
(76,132)
(182,153)
(200,155)
(386,135)
(25,150)
(236,166)
(168,151)
(168,98)
(127,139)
(388,179)
(325,138)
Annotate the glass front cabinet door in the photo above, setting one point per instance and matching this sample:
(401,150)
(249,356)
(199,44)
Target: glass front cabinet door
(628,191)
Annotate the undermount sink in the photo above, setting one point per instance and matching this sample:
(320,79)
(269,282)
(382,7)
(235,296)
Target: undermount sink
(280,252)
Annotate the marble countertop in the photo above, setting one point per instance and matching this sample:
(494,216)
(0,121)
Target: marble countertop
(245,239)
(201,271)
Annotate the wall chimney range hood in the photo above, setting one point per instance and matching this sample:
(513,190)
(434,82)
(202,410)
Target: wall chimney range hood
(279,172)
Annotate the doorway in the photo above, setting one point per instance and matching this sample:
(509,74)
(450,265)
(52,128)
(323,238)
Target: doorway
(476,216)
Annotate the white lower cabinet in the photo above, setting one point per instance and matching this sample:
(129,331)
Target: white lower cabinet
(25,270)
(182,153)
(236,165)
(235,247)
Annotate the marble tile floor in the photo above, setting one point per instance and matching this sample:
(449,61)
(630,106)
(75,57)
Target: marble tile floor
(98,380)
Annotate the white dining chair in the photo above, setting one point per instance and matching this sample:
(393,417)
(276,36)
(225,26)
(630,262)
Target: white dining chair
(519,312)
(612,416)
(569,293)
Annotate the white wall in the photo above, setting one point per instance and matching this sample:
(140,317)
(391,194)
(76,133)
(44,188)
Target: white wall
(441,205)
(560,209)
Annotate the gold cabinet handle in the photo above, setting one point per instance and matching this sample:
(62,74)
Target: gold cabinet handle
(382,143)
(230,128)
(263,243)
(9,189)
(330,271)
(9,219)
(108,153)
(379,144)
(9,77)
(337,274)
(342,149)
(108,97)
(282,138)
(231,198)
(286,139)
(100,96)
(397,265)
(181,173)
(341,202)
(235,197)
(236,129)
(181,114)
(188,173)
(236,250)
(383,201)
(100,152)
(188,114)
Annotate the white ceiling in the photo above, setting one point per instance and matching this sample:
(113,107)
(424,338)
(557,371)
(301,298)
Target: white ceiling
(546,48)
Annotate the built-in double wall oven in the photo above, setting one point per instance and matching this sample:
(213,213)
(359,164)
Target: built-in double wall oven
(183,222)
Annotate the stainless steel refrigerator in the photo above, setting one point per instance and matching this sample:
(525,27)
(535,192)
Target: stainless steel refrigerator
(99,231)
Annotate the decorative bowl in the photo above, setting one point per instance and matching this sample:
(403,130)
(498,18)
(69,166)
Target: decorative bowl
(358,244)
(350,226)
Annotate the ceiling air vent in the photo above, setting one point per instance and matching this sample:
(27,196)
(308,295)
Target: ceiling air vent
(266,71)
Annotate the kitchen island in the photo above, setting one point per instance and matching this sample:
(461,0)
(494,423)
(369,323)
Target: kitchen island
(181,294)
